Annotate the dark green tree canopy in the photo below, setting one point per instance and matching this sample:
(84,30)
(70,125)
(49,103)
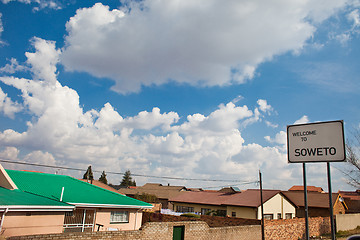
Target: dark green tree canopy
(103,178)
(88,174)
(127,180)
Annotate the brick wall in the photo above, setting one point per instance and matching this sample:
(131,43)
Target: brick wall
(286,229)
(162,231)
(294,229)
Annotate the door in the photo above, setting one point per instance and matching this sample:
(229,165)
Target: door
(178,232)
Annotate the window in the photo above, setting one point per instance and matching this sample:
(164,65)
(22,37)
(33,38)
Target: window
(119,217)
(184,209)
(279,216)
(268,216)
(288,215)
(204,211)
(233,214)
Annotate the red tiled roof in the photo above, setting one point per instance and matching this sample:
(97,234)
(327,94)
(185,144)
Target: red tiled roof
(203,197)
(248,198)
(309,188)
(251,198)
(315,199)
(355,195)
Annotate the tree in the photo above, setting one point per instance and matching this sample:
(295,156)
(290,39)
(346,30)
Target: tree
(103,178)
(88,174)
(127,180)
(145,197)
(353,158)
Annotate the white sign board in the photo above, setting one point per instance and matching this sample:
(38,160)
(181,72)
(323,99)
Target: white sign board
(316,142)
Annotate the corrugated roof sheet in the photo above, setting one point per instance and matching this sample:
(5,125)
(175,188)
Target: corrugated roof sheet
(75,191)
(19,198)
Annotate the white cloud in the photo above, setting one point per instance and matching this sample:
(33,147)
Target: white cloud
(7,106)
(355,18)
(39,4)
(13,67)
(1,29)
(60,132)
(269,124)
(39,157)
(44,60)
(204,43)
(280,138)
(302,120)
(9,153)
(263,106)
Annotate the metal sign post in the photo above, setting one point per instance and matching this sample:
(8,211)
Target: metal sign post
(317,142)
(306,205)
(330,203)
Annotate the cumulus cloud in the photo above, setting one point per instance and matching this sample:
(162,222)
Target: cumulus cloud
(302,120)
(39,4)
(43,61)
(203,43)
(1,29)
(7,106)
(60,132)
(13,67)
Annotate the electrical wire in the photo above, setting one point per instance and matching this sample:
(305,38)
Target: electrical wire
(120,173)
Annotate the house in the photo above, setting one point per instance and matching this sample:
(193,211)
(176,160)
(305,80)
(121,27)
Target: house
(352,200)
(163,193)
(318,203)
(246,204)
(85,207)
(26,213)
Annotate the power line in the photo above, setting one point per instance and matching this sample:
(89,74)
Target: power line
(120,173)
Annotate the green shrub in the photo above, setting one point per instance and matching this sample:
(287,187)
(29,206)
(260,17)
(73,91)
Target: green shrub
(190,215)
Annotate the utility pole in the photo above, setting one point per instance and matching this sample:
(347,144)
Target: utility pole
(262,209)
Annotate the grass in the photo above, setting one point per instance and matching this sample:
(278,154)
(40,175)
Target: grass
(342,234)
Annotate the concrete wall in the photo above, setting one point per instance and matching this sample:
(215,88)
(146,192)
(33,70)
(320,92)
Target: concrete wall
(162,231)
(103,218)
(346,222)
(26,223)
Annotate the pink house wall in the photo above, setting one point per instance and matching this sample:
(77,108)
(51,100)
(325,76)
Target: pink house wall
(27,223)
(103,218)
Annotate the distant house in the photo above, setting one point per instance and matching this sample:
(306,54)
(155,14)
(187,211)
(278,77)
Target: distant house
(95,208)
(352,200)
(244,204)
(318,203)
(163,193)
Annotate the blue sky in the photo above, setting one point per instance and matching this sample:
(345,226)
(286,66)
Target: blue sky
(189,89)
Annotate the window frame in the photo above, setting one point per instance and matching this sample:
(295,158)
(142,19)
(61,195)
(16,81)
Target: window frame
(114,214)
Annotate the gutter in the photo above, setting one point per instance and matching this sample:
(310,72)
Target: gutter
(109,205)
(2,218)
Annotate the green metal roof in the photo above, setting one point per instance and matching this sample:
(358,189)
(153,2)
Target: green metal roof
(12,198)
(75,191)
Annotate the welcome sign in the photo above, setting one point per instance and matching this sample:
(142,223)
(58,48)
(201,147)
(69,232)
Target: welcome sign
(316,142)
